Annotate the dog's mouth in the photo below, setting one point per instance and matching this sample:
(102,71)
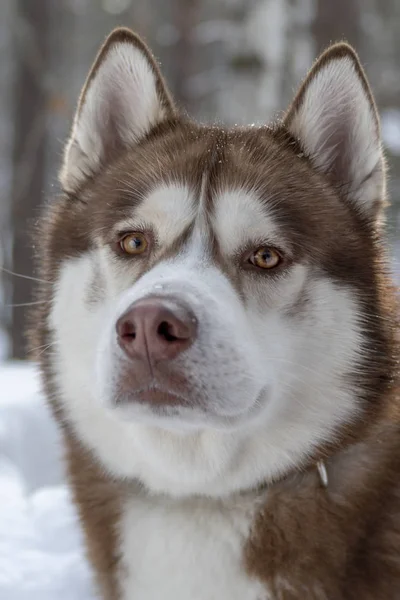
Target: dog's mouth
(157,404)
(155,397)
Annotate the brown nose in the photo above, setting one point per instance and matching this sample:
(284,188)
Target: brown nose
(156,329)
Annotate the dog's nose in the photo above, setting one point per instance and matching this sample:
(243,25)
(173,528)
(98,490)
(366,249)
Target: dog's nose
(155,329)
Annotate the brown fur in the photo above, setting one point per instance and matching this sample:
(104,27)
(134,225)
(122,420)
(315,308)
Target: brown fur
(98,500)
(307,542)
(338,543)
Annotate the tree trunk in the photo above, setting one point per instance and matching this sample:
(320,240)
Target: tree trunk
(186,17)
(6,132)
(336,21)
(28,183)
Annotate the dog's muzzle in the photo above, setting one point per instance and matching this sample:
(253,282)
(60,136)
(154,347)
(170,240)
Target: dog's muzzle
(152,332)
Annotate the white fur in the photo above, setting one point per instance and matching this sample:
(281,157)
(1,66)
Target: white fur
(239,211)
(160,210)
(121,104)
(335,101)
(190,549)
(274,387)
(267,404)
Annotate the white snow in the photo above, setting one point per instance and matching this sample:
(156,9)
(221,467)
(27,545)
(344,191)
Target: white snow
(41,556)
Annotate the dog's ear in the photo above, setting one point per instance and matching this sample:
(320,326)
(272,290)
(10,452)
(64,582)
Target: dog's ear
(335,120)
(123,98)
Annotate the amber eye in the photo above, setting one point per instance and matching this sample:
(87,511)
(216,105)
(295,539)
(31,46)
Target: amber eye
(265,258)
(133,243)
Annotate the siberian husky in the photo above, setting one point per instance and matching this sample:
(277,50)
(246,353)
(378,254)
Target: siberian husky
(222,342)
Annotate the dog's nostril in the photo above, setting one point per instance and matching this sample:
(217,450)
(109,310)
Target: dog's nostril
(155,329)
(128,330)
(166,331)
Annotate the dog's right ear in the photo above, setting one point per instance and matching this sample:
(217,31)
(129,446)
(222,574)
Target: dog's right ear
(123,98)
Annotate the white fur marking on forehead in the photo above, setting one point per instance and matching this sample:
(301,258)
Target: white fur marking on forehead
(239,217)
(169,209)
(200,238)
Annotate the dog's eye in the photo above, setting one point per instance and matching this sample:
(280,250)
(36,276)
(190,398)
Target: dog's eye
(133,243)
(265,258)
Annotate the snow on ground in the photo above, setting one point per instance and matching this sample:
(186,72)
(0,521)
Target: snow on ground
(41,555)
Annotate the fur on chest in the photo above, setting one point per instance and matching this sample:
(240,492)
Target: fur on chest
(188,549)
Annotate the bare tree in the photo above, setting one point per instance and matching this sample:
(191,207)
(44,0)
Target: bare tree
(28,182)
(186,17)
(336,21)
(6,73)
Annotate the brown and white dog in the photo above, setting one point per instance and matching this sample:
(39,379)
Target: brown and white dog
(221,330)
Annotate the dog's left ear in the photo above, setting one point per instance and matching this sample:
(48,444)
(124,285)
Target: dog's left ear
(335,120)
(124,97)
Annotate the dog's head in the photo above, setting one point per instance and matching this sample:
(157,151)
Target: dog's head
(214,307)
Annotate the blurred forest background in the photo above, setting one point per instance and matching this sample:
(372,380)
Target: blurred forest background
(234,61)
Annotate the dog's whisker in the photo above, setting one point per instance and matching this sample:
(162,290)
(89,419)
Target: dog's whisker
(9,272)
(46,348)
(27,303)
(43,346)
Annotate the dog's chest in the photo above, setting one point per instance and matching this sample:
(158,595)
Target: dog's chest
(187,550)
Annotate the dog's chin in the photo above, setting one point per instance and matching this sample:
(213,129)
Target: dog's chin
(173,412)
